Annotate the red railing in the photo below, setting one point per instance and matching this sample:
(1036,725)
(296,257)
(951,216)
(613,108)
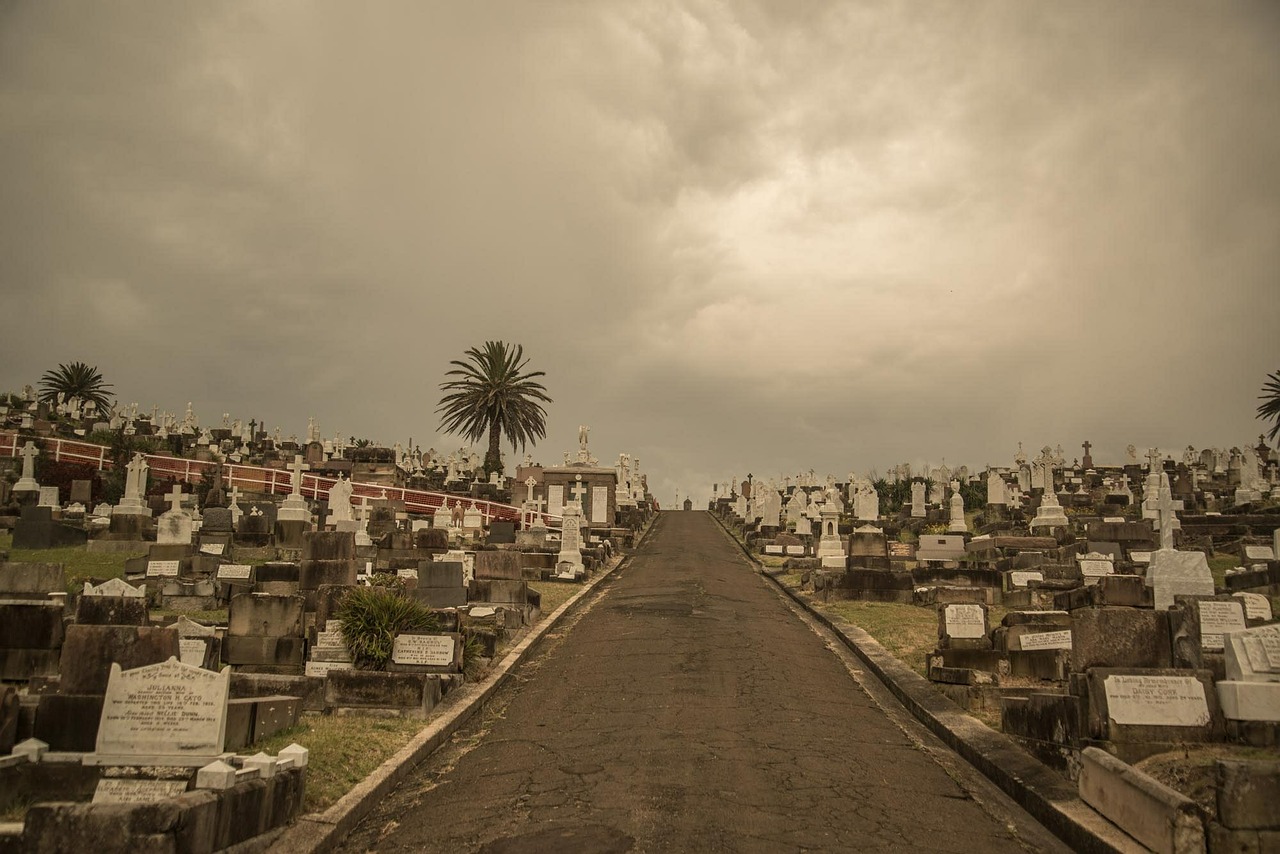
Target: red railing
(259,479)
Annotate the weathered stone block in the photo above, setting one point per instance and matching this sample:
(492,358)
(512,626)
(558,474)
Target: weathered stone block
(1120,637)
(34,625)
(1248,794)
(111,611)
(89,652)
(261,614)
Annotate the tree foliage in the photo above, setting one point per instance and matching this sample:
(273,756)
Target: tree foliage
(1269,409)
(492,393)
(76,380)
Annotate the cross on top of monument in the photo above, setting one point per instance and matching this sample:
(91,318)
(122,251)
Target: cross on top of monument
(175,499)
(298,467)
(578,491)
(28,454)
(1088,446)
(1153,458)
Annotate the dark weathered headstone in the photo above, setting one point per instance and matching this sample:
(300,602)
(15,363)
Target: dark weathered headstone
(501,531)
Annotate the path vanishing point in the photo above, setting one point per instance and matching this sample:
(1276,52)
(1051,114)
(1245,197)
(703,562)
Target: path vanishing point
(689,707)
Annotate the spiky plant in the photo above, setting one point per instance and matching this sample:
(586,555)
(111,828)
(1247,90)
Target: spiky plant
(373,616)
(76,380)
(493,394)
(1269,409)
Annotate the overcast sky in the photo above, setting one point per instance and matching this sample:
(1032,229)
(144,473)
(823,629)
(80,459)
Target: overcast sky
(737,237)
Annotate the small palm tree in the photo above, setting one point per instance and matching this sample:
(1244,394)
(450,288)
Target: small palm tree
(76,380)
(492,394)
(1269,409)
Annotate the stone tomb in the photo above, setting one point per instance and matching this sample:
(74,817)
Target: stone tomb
(1174,573)
(167,714)
(31,581)
(112,603)
(1251,691)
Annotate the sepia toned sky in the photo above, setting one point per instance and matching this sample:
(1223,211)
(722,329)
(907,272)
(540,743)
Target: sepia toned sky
(737,237)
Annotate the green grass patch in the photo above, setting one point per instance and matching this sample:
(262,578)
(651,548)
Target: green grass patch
(344,750)
(554,594)
(80,564)
(1218,566)
(908,632)
(771,561)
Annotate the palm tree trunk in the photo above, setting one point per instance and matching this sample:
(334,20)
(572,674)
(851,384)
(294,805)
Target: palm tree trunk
(493,459)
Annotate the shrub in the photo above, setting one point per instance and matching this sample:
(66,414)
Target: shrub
(373,616)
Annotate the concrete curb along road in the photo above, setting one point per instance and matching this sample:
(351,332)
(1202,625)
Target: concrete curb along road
(324,831)
(1050,799)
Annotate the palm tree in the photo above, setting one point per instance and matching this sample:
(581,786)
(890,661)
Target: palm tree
(76,380)
(493,395)
(1269,409)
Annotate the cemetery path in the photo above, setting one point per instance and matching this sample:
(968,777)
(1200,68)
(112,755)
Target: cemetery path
(690,708)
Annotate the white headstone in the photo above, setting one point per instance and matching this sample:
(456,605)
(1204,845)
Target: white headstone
(163,714)
(425,650)
(965,620)
(1217,619)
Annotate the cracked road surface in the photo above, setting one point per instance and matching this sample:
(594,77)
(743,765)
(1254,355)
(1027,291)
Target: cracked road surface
(689,707)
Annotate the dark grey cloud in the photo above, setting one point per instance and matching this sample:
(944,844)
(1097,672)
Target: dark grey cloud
(737,237)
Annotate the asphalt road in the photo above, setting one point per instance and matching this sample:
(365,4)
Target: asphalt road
(689,707)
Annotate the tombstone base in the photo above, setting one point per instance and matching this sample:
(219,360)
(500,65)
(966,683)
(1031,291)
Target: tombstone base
(290,533)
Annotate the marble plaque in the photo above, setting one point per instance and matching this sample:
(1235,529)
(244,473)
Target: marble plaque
(966,621)
(330,640)
(1021,577)
(795,550)
(1218,618)
(1096,568)
(167,709)
(407,573)
(212,548)
(163,568)
(1256,606)
(120,791)
(193,651)
(428,650)
(1259,553)
(235,571)
(322,668)
(1140,557)
(1156,700)
(599,505)
(1270,645)
(773,550)
(1047,640)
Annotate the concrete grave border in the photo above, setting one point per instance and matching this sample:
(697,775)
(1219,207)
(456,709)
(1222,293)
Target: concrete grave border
(1042,792)
(321,832)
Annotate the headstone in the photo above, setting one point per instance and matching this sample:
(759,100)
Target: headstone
(163,714)
(1219,618)
(1094,565)
(965,621)
(1256,606)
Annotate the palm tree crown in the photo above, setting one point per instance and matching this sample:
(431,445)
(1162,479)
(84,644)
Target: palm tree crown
(491,393)
(1269,409)
(76,380)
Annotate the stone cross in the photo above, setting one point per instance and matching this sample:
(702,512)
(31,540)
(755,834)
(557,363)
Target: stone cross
(530,483)
(135,476)
(578,492)
(1088,446)
(28,454)
(175,499)
(1153,458)
(298,468)
(1163,510)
